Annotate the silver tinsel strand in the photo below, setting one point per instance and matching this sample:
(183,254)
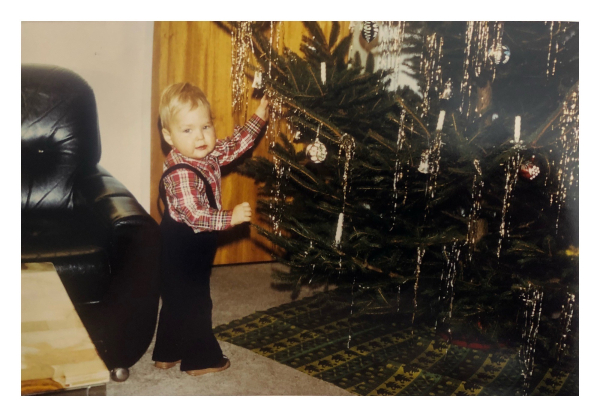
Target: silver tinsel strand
(279,170)
(435,156)
(398,172)
(553,70)
(448,277)
(241,45)
(568,166)
(532,311)
(566,317)
(431,68)
(512,171)
(479,42)
(420,254)
(476,193)
(347,146)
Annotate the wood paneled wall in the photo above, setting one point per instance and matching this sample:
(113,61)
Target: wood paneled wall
(200,52)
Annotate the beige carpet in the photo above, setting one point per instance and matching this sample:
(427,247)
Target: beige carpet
(237,291)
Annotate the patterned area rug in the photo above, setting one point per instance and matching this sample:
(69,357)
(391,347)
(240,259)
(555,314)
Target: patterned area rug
(378,358)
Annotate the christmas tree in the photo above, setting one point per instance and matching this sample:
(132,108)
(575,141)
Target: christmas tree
(455,205)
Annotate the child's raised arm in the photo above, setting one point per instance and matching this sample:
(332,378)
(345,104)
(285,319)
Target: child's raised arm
(243,138)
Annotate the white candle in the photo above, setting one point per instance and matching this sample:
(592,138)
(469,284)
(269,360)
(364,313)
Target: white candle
(517,128)
(323,72)
(340,225)
(440,122)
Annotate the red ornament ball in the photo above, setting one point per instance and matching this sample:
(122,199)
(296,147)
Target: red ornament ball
(529,170)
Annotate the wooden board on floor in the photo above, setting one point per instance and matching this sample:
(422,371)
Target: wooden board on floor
(56,350)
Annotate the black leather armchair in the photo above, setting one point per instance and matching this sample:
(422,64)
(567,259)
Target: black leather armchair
(74,214)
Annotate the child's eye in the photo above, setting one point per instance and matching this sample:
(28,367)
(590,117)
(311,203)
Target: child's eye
(187,130)
(207,127)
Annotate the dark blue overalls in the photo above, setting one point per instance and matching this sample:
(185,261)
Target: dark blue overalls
(185,324)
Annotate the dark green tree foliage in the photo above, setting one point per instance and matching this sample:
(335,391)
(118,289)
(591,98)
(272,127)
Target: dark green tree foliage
(390,215)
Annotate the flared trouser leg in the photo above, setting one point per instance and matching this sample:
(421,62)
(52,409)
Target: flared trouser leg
(185,322)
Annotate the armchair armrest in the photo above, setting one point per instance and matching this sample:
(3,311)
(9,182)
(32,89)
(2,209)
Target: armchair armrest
(109,199)
(132,236)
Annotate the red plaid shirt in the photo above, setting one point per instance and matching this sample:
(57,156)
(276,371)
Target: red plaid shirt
(185,192)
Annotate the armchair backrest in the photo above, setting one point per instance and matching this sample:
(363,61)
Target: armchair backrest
(60,138)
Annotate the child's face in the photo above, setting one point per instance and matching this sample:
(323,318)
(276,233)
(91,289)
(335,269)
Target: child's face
(192,132)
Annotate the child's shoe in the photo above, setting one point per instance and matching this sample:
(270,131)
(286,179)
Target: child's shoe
(220,366)
(165,365)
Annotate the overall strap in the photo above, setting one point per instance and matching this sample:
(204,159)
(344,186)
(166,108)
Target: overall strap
(209,192)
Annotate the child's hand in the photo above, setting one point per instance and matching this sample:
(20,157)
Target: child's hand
(241,213)
(263,108)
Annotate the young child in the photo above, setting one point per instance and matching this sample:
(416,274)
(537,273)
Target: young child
(191,191)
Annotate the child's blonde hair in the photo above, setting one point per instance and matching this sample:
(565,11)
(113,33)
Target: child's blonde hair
(177,96)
